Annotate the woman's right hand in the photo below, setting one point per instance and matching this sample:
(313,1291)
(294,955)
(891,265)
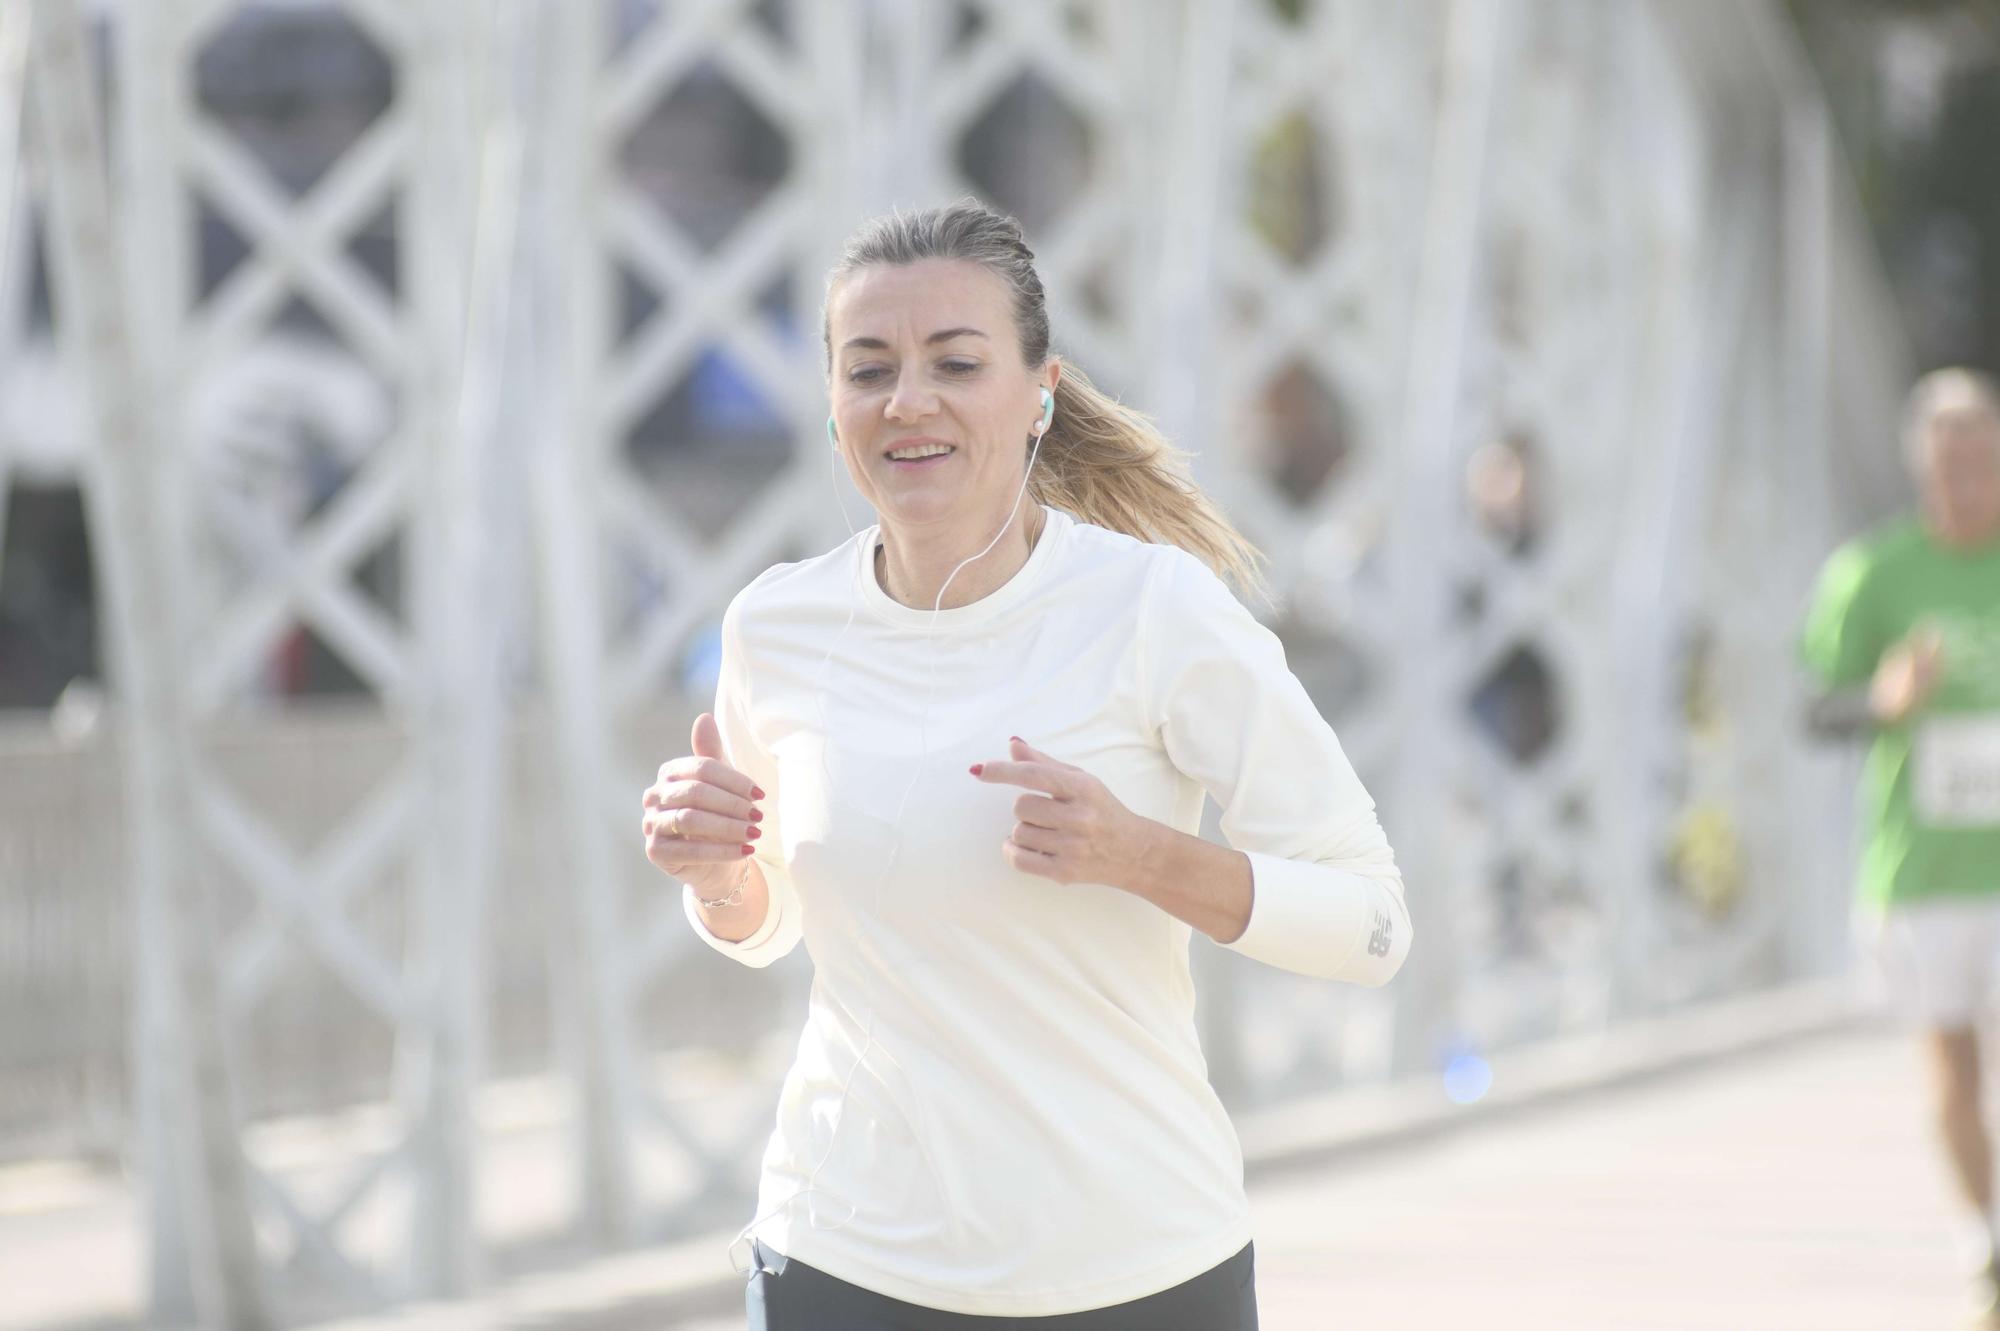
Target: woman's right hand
(700,816)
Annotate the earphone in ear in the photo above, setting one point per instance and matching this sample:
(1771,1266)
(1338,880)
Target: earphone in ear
(831,437)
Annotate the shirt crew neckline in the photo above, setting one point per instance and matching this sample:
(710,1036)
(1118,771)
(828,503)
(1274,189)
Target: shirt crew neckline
(1963,554)
(1055,525)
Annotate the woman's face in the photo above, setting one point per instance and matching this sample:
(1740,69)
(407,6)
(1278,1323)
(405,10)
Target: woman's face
(926,353)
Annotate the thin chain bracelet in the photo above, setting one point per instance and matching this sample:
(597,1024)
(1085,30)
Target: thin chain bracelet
(735,897)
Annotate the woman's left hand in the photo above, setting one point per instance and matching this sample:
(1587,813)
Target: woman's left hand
(1076,831)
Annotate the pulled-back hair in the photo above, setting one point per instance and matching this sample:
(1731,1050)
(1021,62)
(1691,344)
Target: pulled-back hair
(1100,460)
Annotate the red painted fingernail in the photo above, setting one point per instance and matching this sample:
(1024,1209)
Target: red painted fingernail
(1017,739)
(756,793)
(749,850)
(977,768)
(756,832)
(756,815)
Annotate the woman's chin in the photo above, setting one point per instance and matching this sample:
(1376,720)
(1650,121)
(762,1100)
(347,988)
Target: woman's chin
(919,503)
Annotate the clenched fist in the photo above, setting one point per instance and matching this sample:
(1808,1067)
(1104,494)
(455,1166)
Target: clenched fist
(1907,676)
(700,815)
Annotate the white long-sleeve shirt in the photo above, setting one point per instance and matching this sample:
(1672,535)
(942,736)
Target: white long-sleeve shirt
(1031,1130)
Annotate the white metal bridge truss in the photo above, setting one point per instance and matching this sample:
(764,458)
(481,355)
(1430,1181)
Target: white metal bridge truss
(1347,252)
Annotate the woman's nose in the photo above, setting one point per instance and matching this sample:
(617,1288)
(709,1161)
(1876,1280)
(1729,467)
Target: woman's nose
(910,402)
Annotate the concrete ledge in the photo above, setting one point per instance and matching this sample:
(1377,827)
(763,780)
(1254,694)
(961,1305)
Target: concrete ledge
(1413,1111)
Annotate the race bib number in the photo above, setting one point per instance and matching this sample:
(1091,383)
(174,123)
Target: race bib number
(1955,777)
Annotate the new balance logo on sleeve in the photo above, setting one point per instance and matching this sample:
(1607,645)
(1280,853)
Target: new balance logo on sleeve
(1378,942)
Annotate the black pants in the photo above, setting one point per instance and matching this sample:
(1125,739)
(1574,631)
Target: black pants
(788,1295)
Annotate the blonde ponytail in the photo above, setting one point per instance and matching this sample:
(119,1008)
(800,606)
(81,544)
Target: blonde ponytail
(1112,467)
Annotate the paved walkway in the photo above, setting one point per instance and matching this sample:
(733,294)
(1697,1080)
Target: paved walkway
(1781,1190)
(1795,1189)
(1789,1188)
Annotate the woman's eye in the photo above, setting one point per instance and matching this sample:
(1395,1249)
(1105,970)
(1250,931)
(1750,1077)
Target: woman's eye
(868,374)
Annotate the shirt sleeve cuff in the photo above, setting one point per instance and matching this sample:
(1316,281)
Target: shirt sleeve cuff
(772,939)
(1304,917)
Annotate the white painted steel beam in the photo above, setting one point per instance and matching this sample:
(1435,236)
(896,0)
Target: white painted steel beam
(203,1217)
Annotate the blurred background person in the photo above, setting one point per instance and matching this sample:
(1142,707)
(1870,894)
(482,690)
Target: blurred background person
(1911,612)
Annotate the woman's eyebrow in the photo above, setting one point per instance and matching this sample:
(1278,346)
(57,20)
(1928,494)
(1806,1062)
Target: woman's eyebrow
(877,344)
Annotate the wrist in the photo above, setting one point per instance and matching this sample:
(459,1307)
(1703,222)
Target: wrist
(731,896)
(1144,862)
(1894,707)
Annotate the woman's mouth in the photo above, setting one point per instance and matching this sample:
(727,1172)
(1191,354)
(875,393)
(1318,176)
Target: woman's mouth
(914,464)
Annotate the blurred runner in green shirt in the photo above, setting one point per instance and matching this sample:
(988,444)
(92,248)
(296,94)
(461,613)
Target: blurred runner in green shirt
(1913,612)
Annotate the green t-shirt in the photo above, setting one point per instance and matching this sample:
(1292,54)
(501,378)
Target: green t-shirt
(1930,794)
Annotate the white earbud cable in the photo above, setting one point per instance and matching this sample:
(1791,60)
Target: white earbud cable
(819,699)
